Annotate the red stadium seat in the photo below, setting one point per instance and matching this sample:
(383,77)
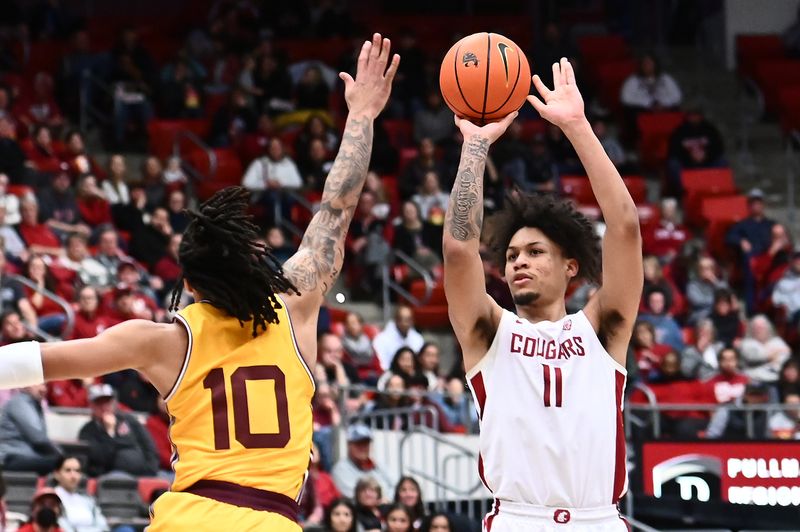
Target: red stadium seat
(147,486)
(654,132)
(579,189)
(750,49)
(704,183)
(162,134)
(400,133)
(637,187)
(431,317)
(596,47)
(532,128)
(789,107)
(609,77)
(406,156)
(725,208)
(774,74)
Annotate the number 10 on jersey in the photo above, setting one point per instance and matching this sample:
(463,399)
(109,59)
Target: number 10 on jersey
(552,379)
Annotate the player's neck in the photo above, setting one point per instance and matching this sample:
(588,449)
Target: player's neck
(536,312)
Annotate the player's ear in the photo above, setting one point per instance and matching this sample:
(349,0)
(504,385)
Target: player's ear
(572,268)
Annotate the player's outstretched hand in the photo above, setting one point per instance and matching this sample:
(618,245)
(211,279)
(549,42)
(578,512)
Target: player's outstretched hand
(369,92)
(563,105)
(491,132)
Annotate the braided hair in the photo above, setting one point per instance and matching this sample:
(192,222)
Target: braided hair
(222,257)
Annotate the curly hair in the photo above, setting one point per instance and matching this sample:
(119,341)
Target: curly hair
(223,258)
(555,217)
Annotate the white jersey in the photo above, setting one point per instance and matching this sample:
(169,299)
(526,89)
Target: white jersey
(549,398)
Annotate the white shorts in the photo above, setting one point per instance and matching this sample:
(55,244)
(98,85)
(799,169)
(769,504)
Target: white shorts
(507,516)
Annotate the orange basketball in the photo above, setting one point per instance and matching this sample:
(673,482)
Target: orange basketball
(484,77)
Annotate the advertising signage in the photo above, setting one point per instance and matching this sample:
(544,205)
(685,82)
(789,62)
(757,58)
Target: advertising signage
(754,474)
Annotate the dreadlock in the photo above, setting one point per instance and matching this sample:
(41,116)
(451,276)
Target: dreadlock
(222,258)
(557,219)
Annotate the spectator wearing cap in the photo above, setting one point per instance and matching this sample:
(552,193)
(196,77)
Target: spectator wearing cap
(142,284)
(399,332)
(358,462)
(117,441)
(751,237)
(695,143)
(24,443)
(786,294)
(46,510)
(125,305)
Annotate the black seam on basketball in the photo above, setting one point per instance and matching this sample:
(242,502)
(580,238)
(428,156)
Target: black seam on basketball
(455,74)
(486,86)
(516,81)
(454,108)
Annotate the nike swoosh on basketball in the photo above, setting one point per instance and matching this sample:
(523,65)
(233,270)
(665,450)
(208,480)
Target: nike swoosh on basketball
(503,47)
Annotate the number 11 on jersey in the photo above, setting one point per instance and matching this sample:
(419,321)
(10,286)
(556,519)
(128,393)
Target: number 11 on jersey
(552,375)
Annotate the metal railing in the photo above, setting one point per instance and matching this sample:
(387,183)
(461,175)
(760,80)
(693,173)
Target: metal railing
(66,332)
(192,138)
(390,285)
(286,223)
(90,84)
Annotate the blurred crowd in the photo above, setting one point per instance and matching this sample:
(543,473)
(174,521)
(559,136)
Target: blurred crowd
(86,231)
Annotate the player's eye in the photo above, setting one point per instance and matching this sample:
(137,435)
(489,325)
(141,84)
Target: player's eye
(511,257)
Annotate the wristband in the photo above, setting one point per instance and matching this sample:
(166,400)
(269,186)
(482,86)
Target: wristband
(21,365)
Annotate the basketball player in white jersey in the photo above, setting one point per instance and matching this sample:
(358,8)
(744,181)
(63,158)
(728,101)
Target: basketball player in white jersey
(548,385)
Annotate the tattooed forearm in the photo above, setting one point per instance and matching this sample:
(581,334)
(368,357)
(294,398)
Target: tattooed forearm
(317,263)
(465,212)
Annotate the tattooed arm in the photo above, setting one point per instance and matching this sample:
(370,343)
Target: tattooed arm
(473,314)
(315,266)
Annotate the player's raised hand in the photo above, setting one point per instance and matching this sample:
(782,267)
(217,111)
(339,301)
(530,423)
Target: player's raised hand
(563,105)
(369,92)
(491,131)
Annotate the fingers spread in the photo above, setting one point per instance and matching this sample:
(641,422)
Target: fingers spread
(557,82)
(541,87)
(364,55)
(537,103)
(393,68)
(568,72)
(376,48)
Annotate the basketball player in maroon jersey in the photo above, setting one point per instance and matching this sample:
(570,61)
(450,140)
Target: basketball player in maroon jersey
(548,386)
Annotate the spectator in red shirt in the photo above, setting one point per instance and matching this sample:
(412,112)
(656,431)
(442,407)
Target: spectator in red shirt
(158,425)
(78,161)
(51,316)
(40,109)
(666,238)
(46,509)
(727,385)
(41,152)
(654,280)
(89,320)
(647,352)
(70,392)
(92,204)
(37,236)
(127,306)
(670,387)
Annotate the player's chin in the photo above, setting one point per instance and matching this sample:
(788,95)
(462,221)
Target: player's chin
(524,297)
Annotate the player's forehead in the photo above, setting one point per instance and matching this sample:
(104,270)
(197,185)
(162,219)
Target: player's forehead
(527,236)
